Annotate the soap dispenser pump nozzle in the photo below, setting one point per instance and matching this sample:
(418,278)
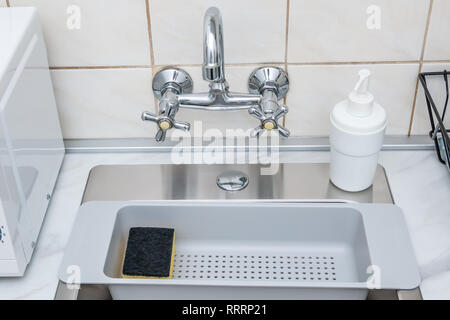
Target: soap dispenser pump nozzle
(363,84)
(360,99)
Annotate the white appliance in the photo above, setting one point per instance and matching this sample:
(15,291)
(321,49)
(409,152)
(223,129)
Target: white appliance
(31,145)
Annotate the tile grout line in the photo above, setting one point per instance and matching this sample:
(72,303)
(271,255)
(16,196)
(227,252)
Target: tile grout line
(287,33)
(244,64)
(152,54)
(99,67)
(436,61)
(336,63)
(422,54)
(149,30)
(286,50)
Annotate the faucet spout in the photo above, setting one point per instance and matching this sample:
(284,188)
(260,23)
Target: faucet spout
(213,51)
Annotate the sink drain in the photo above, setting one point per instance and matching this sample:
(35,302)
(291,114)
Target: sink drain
(232,180)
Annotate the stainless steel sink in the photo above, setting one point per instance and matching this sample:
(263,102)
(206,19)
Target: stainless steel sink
(292,183)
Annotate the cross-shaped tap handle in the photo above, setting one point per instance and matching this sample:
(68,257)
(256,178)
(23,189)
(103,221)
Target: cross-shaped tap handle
(269,121)
(164,123)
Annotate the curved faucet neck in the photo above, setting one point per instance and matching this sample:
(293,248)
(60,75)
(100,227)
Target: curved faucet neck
(213,52)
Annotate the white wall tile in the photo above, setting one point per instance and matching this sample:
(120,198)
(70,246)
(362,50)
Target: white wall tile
(316,89)
(330,30)
(254,30)
(237,77)
(104,103)
(436,85)
(112,32)
(438,45)
(107,103)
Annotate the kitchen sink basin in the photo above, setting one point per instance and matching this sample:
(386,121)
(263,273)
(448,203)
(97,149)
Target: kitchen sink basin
(282,225)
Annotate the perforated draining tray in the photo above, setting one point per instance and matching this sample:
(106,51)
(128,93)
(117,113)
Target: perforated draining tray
(268,267)
(245,250)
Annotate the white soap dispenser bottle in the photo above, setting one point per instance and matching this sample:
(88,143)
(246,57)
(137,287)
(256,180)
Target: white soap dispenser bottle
(358,125)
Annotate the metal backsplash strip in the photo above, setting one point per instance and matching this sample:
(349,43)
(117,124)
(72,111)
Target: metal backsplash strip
(391,142)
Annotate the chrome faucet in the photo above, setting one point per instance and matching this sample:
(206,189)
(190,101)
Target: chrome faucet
(173,88)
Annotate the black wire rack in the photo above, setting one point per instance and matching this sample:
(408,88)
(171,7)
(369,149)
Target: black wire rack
(438,132)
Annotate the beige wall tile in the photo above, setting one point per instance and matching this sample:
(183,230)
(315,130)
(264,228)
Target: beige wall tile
(103,103)
(318,88)
(112,32)
(329,30)
(438,45)
(107,102)
(436,85)
(254,30)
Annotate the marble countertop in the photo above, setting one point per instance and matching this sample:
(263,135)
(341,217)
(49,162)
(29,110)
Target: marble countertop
(419,183)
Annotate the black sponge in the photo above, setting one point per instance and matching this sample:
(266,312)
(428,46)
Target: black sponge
(149,253)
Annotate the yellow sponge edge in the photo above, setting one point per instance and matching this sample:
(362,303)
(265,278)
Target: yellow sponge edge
(143,277)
